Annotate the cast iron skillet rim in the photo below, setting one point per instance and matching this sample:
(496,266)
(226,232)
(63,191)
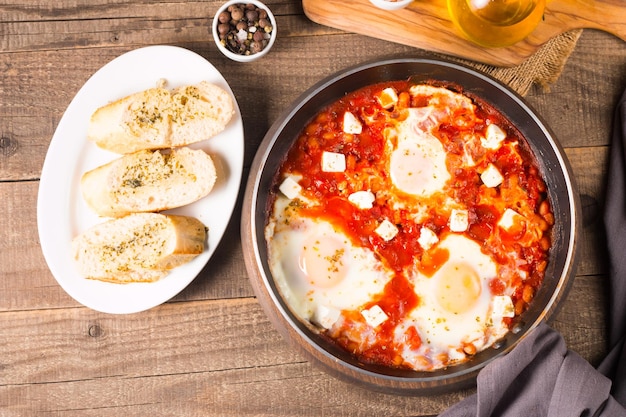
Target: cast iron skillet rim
(259,165)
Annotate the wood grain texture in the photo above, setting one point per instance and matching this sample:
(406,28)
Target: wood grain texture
(34,104)
(210,358)
(426,25)
(77,25)
(211,351)
(219,357)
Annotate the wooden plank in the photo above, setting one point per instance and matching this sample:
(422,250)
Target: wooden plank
(205,358)
(31,106)
(580,105)
(214,358)
(114,24)
(25,281)
(132,346)
(25,11)
(574,320)
(589,168)
(289,390)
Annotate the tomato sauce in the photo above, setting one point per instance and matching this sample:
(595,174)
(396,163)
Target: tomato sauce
(367,169)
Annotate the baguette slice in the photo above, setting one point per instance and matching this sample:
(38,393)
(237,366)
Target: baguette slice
(147,181)
(158,118)
(140,247)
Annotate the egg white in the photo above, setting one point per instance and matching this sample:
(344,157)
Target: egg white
(417,165)
(446,325)
(316,268)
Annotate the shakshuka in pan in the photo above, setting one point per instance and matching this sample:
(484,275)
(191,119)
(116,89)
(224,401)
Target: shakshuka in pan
(410,224)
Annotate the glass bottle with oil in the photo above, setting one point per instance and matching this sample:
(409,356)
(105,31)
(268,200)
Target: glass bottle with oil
(496,23)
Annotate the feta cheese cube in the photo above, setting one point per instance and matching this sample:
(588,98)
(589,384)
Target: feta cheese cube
(333,162)
(493,137)
(459,220)
(362,199)
(325,316)
(508,219)
(427,238)
(502,306)
(491,177)
(290,188)
(386,230)
(388,98)
(375,316)
(351,124)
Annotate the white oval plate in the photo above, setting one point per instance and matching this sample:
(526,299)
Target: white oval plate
(61,211)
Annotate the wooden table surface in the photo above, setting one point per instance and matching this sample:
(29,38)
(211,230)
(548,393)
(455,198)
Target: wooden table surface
(211,350)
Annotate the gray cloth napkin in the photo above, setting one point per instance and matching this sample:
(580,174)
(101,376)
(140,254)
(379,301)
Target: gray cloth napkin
(541,377)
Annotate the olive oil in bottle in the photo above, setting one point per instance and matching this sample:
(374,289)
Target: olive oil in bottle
(496,23)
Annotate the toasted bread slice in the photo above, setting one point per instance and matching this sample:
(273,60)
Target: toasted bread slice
(199,111)
(140,247)
(147,181)
(158,118)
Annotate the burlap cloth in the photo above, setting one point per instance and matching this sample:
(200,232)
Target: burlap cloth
(542,68)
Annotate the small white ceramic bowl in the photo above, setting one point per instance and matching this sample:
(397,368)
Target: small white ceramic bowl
(391,5)
(236,56)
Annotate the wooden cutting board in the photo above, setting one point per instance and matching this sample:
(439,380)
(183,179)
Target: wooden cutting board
(425,24)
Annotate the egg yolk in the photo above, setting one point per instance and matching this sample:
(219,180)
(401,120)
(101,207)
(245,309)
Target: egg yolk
(410,170)
(418,165)
(323,261)
(458,287)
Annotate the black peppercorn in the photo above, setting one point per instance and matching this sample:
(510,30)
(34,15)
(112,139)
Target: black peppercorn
(256,47)
(252,16)
(223,29)
(244,28)
(236,14)
(258,36)
(224,17)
